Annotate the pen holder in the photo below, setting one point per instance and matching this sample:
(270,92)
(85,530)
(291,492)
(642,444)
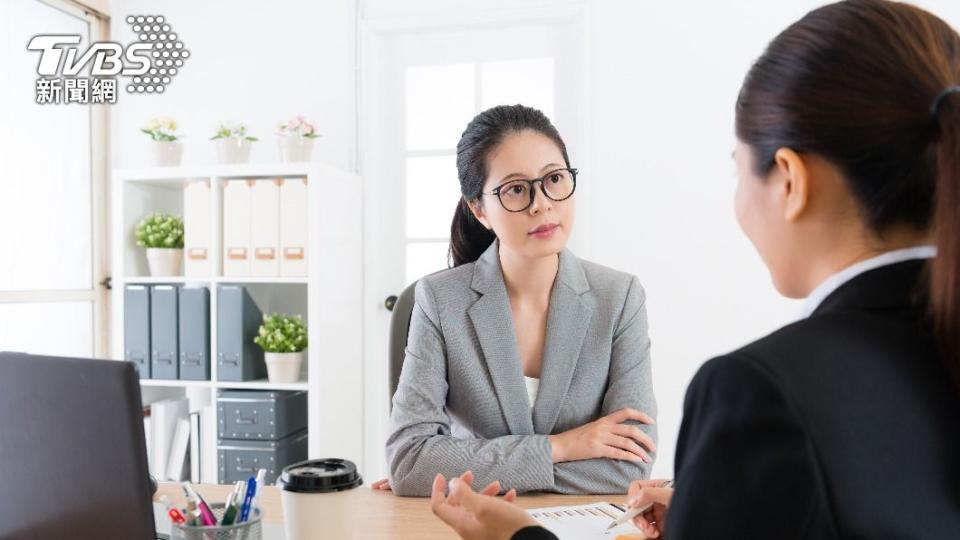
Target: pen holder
(248,530)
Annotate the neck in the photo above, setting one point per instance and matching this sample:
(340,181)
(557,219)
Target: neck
(528,277)
(863,247)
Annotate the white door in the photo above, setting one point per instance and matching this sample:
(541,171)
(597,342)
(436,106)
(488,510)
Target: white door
(421,88)
(52,192)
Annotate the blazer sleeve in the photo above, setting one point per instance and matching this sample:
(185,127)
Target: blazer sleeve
(745,468)
(421,445)
(630,385)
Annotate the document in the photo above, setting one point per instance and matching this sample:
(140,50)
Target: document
(583,522)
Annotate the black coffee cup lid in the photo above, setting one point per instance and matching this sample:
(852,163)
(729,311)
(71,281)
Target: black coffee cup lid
(320,476)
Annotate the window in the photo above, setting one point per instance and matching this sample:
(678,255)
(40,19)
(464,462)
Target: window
(52,196)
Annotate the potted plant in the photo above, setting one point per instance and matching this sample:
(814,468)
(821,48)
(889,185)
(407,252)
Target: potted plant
(162,235)
(296,140)
(167,148)
(233,143)
(283,339)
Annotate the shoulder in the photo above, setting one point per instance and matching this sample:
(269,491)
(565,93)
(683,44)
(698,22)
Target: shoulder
(450,286)
(613,288)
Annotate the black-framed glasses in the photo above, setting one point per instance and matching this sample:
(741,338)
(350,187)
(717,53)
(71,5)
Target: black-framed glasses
(517,195)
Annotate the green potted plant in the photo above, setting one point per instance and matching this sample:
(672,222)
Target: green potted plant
(167,148)
(296,139)
(283,339)
(162,236)
(233,143)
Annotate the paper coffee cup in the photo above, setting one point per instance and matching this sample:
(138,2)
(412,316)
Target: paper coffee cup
(308,495)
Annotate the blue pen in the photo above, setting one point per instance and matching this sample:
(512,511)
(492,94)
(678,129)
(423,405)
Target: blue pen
(248,499)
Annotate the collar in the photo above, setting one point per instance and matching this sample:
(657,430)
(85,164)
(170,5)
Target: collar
(832,283)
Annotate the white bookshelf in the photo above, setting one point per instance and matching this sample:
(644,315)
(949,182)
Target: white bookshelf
(329,297)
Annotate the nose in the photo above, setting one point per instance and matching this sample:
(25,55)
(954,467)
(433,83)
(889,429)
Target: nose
(541,203)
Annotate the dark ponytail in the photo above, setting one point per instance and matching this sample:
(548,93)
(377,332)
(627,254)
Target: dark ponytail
(468,237)
(945,273)
(862,84)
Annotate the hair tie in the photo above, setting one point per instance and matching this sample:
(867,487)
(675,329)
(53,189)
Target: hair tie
(935,108)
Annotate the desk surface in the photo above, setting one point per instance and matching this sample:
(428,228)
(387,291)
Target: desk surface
(365,513)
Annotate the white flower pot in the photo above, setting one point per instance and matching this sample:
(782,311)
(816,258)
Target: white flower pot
(295,148)
(233,150)
(167,153)
(283,367)
(164,262)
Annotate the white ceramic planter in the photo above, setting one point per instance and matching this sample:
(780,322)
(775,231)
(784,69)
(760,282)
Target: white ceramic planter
(167,153)
(283,367)
(295,148)
(164,262)
(233,150)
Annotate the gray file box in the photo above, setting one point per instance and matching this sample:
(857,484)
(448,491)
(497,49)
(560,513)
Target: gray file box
(136,327)
(194,333)
(239,460)
(238,321)
(163,332)
(251,414)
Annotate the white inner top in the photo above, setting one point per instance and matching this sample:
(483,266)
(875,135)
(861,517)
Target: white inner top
(533,385)
(834,282)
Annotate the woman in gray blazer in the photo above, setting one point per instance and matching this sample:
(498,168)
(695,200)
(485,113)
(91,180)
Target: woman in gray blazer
(524,364)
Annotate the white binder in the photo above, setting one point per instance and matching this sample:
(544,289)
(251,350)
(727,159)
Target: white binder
(196,229)
(293,227)
(237,250)
(265,228)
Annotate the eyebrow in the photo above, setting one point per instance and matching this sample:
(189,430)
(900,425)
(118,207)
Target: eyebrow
(542,169)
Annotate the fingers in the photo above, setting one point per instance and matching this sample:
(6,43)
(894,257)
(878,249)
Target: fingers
(623,415)
(623,443)
(461,494)
(635,433)
(492,489)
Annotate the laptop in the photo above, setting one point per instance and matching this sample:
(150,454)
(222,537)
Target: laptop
(73,461)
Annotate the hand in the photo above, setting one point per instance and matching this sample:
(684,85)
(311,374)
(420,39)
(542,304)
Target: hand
(381,485)
(476,516)
(606,437)
(643,492)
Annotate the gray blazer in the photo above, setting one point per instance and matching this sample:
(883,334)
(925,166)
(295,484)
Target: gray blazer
(462,404)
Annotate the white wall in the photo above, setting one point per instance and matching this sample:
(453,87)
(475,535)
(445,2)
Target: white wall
(252,61)
(664,78)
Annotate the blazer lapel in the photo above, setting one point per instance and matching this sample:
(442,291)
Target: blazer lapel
(493,324)
(567,324)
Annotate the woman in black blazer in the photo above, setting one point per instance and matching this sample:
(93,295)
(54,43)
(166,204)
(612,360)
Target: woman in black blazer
(845,424)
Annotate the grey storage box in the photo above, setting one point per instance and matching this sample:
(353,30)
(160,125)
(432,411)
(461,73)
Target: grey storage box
(239,460)
(238,322)
(194,333)
(164,362)
(136,328)
(260,415)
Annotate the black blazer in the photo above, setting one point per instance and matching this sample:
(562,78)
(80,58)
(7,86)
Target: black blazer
(841,425)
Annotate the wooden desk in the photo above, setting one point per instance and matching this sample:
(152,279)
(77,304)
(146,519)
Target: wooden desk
(365,513)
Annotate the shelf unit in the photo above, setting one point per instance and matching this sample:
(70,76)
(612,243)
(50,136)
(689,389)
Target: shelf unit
(329,297)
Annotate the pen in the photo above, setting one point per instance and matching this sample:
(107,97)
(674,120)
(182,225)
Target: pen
(248,499)
(206,515)
(191,506)
(634,512)
(261,476)
(231,510)
(174,514)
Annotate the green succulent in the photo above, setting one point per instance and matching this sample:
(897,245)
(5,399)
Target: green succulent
(159,230)
(282,334)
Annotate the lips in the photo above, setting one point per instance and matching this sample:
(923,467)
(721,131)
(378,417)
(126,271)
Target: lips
(546,228)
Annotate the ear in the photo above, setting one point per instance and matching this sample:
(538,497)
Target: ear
(478,212)
(795,176)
